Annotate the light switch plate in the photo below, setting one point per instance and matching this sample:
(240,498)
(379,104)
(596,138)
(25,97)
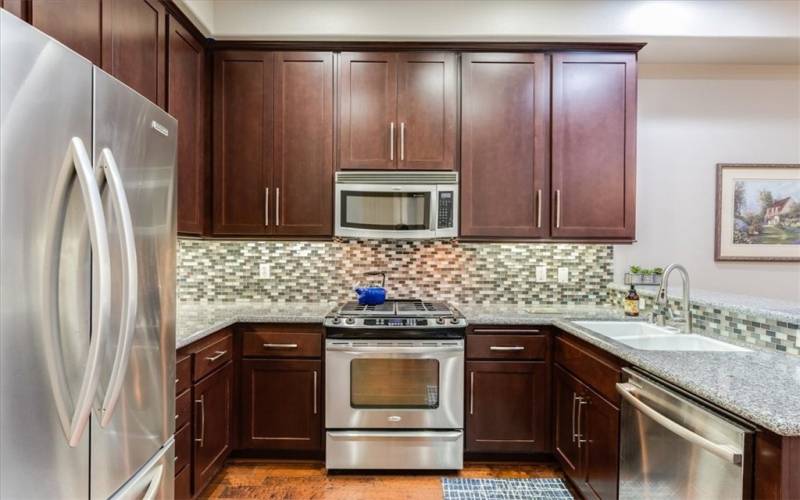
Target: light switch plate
(264,271)
(541,274)
(563,274)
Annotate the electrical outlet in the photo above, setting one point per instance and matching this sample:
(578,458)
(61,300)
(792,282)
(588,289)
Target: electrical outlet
(563,274)
(641,303)
(541,274)
(264,271)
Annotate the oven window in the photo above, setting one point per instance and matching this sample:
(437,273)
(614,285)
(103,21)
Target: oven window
(394,383)
(386,211)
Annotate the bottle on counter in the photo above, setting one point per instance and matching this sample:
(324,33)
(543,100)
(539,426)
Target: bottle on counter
(632,302)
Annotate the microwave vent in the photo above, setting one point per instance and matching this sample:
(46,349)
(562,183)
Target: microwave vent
(371,177)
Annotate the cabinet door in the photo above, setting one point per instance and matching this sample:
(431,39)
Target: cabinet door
(504,144)
(212,424)
(368,123)
(134,43)
(186,102)
(507,407)
(243,133)
(281,404)
(600,429)
(16,7)
(566,397)
(75,23)
(303,167)
(426,110)
(594,145)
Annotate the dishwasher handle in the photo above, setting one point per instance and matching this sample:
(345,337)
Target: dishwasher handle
(728,453)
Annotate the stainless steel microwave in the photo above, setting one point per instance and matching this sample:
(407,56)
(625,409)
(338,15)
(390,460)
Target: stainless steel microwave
(396,205)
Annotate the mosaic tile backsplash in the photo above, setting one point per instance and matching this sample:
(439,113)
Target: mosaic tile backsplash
(727,322)
(303,271)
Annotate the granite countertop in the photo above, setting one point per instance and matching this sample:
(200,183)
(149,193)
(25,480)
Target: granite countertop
(198,320)
(761,386)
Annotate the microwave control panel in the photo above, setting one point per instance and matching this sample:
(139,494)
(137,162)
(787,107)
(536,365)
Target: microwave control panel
(445,209)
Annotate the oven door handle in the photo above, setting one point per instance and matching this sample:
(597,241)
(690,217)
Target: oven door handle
(393,349)
(411,434)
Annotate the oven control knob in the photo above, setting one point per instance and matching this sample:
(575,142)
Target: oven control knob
(454,321)
(350,321)
(439,321)
(336,321)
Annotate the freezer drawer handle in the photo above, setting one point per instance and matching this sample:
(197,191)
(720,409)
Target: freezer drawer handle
(507,348)
(728,453)
(76,163)
(108,170)
(218,354)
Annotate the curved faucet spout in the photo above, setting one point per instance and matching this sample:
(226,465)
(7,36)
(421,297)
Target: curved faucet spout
(663,309)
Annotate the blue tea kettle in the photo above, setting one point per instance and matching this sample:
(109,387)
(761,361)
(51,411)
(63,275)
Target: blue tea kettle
(372,295)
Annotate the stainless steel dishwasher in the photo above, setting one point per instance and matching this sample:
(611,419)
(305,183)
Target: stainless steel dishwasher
(674,446)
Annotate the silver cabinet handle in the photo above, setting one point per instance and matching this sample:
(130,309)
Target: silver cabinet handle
(579,435)
(471,392)
(177,416)
(218,354)
(507,348)
(558,208)
(402,141)
(76,164)
(266,206)
(728,453)
(538,208)
(391,141)
(177,380)
(202,403)
(277,206)
(574,399)
(108,170)
(315,392)
(280,346)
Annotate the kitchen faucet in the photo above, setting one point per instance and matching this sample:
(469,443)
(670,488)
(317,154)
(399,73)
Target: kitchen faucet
(662,312)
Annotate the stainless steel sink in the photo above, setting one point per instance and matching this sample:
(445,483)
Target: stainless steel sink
(649,337)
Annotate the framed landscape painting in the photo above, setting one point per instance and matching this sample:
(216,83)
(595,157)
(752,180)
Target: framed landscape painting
(758,212)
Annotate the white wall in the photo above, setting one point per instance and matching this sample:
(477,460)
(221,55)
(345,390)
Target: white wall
(692,117)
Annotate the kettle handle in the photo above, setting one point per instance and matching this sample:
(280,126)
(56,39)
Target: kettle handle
(378,273)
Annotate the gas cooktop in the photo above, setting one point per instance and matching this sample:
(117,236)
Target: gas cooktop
(412,316)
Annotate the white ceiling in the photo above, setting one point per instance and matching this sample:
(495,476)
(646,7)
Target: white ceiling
(689,31)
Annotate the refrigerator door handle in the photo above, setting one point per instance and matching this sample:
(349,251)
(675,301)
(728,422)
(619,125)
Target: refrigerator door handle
(76,163)
(155,484)
(108,170)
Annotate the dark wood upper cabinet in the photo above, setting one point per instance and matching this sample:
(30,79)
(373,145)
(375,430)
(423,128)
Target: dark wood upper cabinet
(212,427)
(303,165)
(75,23)
(368,104)
(507,407)
(243,142)
(426,110)
(186,102)
(594,145)
(504,145)
(134,46)
(281,406)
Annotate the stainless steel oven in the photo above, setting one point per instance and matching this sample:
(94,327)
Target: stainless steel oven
(398,205)
(400,395)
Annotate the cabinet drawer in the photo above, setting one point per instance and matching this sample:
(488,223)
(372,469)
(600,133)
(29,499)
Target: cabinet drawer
(183,447)
(183,408)
(183,373)
(598,372)
(183,484)
(213,356)
(277,344)
(518,347)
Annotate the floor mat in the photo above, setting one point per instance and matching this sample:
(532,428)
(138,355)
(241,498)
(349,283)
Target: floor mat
(459,488)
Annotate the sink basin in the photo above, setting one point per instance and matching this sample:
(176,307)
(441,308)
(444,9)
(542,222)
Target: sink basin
(649,337)
(624,329)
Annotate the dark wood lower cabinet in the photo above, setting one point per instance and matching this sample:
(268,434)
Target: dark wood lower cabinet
(183,484)
(281,406)
(507,410)
(586,436)
(212,424)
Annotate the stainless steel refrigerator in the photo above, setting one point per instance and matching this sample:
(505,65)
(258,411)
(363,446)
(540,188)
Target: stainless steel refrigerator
(87,268)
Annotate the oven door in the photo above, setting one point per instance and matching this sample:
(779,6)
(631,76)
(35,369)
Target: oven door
(384,384)
(381,211)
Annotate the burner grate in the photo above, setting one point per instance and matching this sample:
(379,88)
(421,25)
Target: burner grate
(397,307)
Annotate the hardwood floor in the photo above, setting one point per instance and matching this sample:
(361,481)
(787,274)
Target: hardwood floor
(249,478)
